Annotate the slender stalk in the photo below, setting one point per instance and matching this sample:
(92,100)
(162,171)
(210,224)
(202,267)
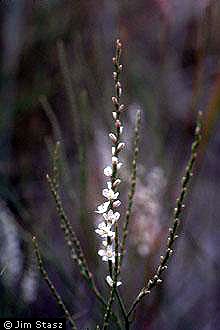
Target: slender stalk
(132,185)
(156,279)
(51,285)
(121,303)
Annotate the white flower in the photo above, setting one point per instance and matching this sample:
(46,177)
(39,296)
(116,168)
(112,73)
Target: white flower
(116,203)
(113,151)
(111,216)
(108,171)
(110,194)
(121,129)
(107,254)
(102,208)
(105,230)
(109,280)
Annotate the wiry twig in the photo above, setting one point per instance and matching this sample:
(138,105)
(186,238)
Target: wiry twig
(51,285)
(156,279)
(132,185)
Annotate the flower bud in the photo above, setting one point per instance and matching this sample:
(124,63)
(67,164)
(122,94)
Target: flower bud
(114,100)
(121,146)
(113,137)
(116,183)
(114,115)
(117,123)
(121,108)
(116,203)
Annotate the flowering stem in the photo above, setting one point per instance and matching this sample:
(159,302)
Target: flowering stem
(50,284)
(116,148)
(155,280)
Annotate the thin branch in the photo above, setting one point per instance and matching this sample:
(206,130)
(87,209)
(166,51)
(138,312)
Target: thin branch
(156,279)
(51,285)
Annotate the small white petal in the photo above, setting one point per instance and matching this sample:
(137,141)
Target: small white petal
(109,184)
(121,129)
(113,151)
(108,171)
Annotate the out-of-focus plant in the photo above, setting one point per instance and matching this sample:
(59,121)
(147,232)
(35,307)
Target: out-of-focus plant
(114,240)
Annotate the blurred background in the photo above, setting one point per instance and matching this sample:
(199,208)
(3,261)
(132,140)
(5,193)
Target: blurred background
(56,84)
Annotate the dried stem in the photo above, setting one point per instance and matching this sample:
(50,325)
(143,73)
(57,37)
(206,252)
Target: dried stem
(155,280)
(51,285)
